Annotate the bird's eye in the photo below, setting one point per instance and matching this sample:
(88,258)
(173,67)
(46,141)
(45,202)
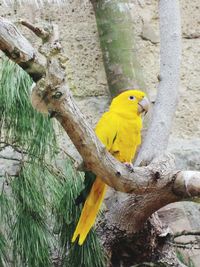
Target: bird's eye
(131,97)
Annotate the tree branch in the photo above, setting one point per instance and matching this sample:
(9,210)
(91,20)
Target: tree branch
(19,50)
(187,233)
(40,32)
(53,92)
(157,136)
(10,158)
(189,245)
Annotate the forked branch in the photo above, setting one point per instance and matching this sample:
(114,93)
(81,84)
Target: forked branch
(157,137)
(53,92)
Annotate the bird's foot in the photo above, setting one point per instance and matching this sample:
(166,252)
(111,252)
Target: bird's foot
(129,166)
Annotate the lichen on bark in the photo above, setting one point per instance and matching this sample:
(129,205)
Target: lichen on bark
(117,41)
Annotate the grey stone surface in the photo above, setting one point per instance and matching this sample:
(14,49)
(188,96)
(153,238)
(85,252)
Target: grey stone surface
(10,165)
(187,152)
(148,33)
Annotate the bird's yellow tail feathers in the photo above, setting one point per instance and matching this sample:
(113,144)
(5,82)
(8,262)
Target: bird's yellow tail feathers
(90,210)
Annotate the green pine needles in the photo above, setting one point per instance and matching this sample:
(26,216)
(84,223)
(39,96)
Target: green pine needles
(30,233)
(20,123)
(37,209)
(91,252)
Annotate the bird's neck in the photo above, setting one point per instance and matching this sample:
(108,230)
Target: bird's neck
(130,115)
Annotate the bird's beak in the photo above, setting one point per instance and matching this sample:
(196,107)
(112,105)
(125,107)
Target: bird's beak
(143,105)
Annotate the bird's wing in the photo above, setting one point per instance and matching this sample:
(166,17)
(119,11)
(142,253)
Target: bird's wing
(107,129)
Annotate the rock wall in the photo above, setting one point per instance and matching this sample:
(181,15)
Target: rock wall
(85,69)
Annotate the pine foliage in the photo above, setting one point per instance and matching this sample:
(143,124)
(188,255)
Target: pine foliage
(37,209)
(20,123)
(30,236)
(90,253)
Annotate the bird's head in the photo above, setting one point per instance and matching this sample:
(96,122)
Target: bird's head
(130,102)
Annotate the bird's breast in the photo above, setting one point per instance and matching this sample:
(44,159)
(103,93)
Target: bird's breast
(127,140)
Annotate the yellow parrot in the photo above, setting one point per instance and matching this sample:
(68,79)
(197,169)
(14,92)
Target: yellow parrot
(119,130)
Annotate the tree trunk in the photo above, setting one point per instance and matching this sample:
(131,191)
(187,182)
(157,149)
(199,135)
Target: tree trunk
(147,247)
(126,248)
(117,43)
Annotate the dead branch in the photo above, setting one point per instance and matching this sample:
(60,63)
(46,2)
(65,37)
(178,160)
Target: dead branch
(13,146)
(18,49)
(50,167)
(39,31)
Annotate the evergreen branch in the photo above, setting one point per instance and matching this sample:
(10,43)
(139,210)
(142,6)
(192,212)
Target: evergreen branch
(18,129)
(3,252)
(31,245)
(40,187)
(26,152)
(51,168)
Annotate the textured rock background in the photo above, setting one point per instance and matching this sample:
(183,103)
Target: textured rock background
(87,78)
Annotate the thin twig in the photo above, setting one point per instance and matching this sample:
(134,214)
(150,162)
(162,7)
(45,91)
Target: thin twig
(10,158)
(186,233)
(193,242)
(183,246)
(39,31)
(147,264)
(14,147)
(21,151)
(51,168)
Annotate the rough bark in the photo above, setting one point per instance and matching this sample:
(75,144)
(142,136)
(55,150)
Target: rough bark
(18,48)
(157,137)
(116,37)
(147,247)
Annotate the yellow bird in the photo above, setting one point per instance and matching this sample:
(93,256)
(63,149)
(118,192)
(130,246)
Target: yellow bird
(119,130)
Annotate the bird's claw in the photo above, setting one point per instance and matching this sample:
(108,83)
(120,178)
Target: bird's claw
(129,166)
